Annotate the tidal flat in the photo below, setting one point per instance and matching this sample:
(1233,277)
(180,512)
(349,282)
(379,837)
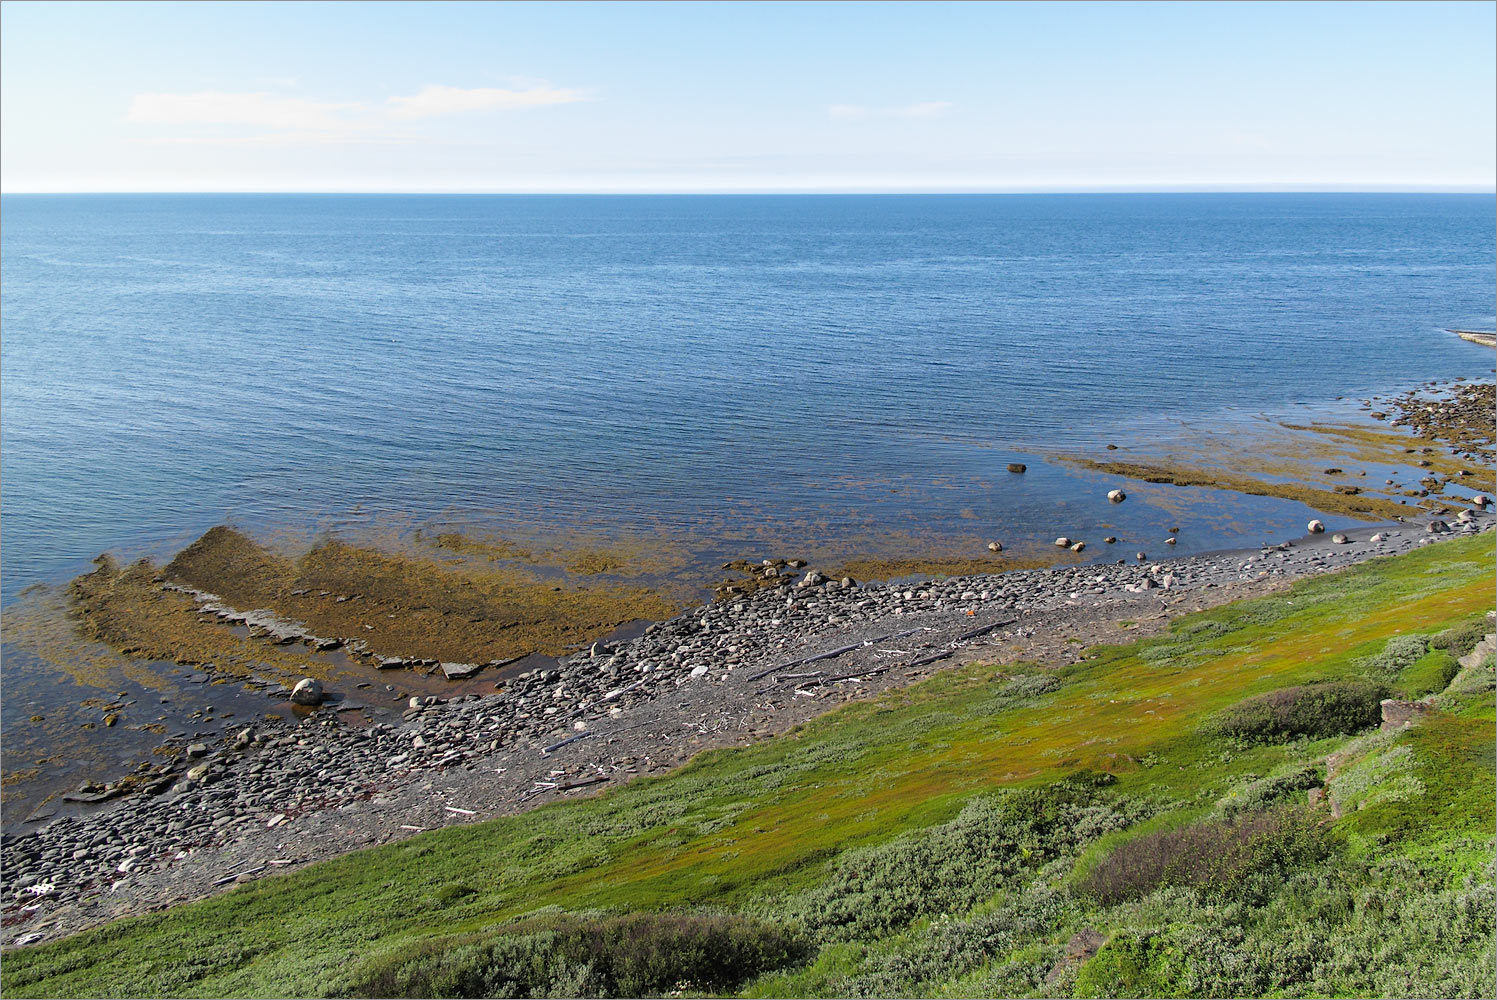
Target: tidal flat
(429,612)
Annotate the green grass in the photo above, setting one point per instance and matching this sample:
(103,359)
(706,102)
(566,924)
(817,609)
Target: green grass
(764,831)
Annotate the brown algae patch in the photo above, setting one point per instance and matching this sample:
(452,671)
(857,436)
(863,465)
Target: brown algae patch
(893,569)
(398,604)
(126,609)
(576,553)
(1435,437)
(1367,508)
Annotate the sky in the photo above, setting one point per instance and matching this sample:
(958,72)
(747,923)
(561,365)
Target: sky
(708,97)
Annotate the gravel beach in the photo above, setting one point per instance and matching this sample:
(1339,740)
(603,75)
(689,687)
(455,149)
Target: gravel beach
(248,800)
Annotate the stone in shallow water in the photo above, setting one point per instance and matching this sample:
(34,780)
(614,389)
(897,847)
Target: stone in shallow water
(308,691)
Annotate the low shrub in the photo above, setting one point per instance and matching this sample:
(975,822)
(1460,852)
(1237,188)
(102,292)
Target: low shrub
(1314,710)
(1263,793)
(1133,964)
(1430,674)
(949,868)
(1461,639)
(1226,856)
(634,955)
(1400,652)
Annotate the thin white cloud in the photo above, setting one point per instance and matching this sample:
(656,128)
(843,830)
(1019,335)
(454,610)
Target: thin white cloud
(847,111)
(222,117)
(923,109)
(438,100)
(256,110)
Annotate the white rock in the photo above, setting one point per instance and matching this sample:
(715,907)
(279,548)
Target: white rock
(1078,546)
(1316,526)
(308,691)
(1116,496)
(699,670)
(995,546)
(1063,542)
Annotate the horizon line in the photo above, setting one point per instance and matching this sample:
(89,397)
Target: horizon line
(770,192)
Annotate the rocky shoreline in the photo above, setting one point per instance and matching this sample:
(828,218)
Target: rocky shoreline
(243,802)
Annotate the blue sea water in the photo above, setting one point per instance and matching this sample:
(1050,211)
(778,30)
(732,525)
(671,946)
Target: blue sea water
(696,364)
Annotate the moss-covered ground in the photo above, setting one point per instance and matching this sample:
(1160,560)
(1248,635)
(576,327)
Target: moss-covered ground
(944,840)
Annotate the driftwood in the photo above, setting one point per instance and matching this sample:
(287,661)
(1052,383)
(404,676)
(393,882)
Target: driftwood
(566,742)
(829,654)
(591,779)
(918,661)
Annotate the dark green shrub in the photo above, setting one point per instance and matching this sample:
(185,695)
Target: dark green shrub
(1397,654)
(1461,639)
(638,954)
(1264,793)
(1430,674)
(1314,710)
(995,840)
(1230,856)
(1132,965)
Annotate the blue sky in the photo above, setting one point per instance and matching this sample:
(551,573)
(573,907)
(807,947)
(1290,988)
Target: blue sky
(746,97)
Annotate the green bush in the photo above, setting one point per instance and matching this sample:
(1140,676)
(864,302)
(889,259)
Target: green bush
(1263,793)
(1314,710)
(1132,965)
(1430,674)
(1461,639)
(638,954)
(1400,652)
(950,868)
(1232,856)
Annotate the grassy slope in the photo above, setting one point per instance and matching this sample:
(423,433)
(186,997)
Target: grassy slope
(736,828)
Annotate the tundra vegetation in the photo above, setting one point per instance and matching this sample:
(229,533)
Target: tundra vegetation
(1138,824)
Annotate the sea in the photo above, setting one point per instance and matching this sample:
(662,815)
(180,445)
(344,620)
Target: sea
(711,366)
(748,373)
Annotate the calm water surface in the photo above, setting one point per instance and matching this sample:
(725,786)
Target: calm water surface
(170,362)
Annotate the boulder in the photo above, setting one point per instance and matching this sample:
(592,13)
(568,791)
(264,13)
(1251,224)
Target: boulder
(1116,496)
(1340,539)
(1063,542)
(1481,500)
(1436,527)
(308,691)
(1316,526)
(995,546)
(1397,714)
(1018,467)
(1110,539)
(1078,546)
